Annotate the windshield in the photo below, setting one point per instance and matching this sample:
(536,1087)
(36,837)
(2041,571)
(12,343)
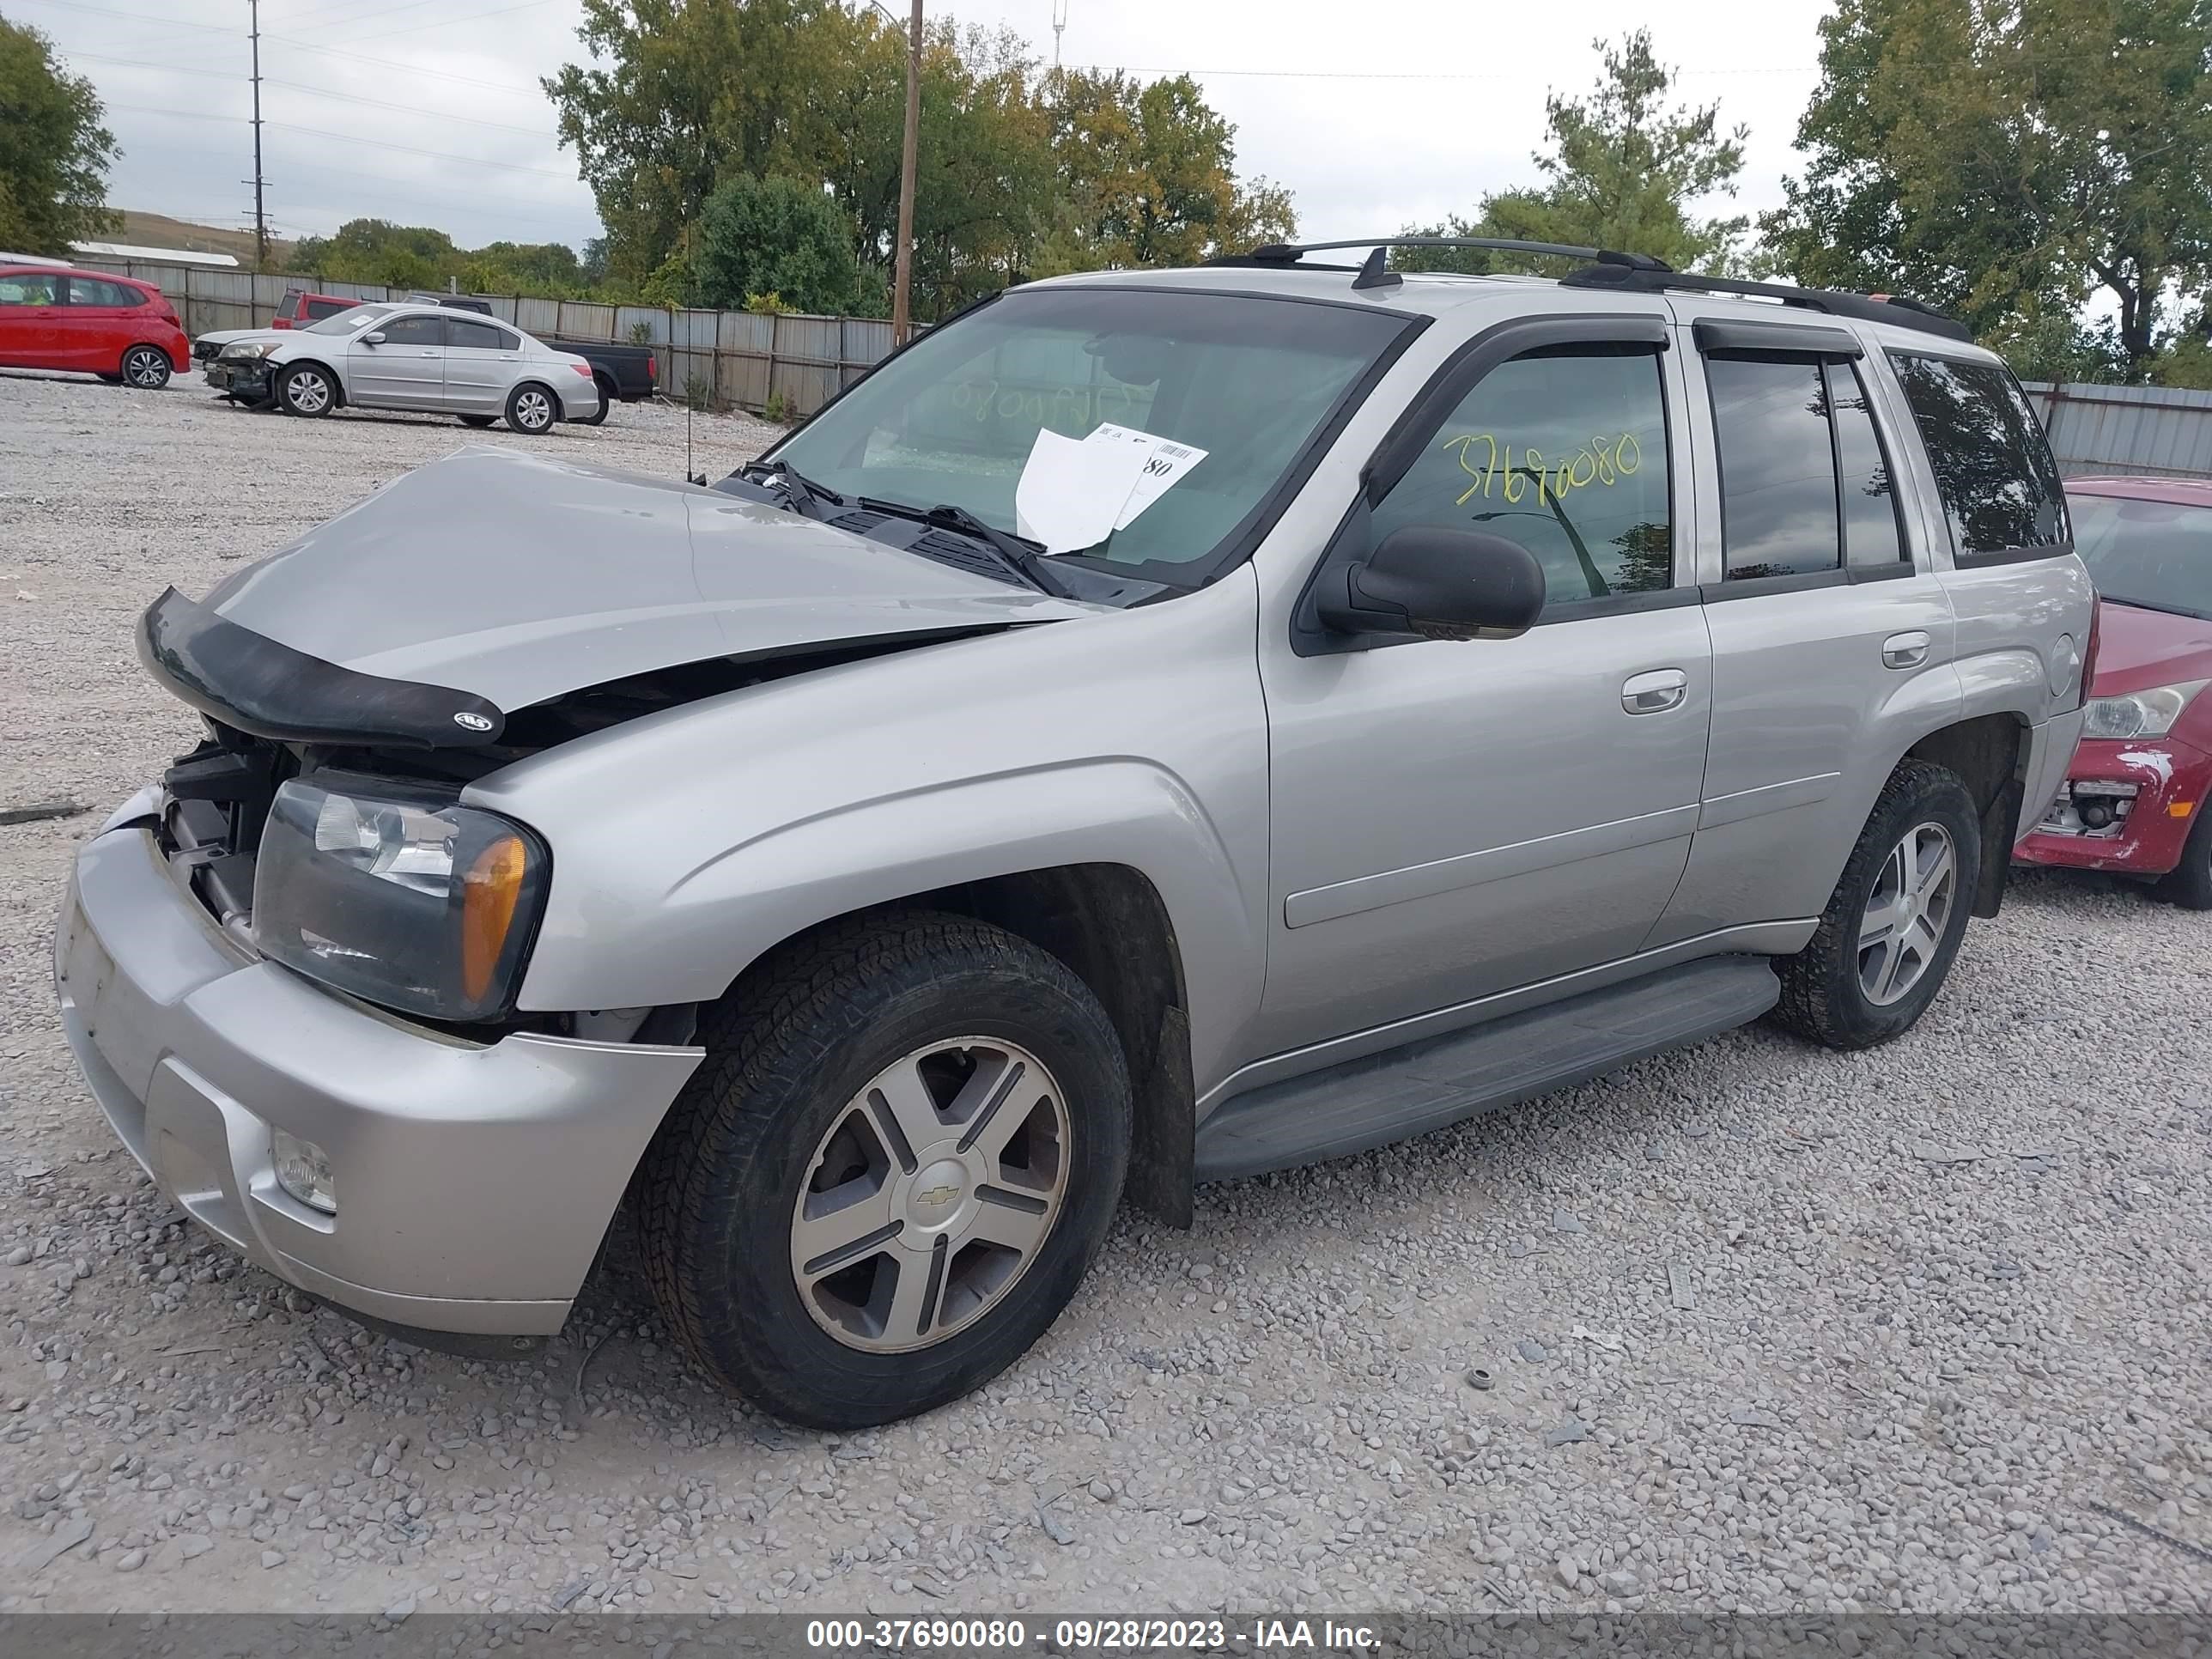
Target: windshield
(347,321)
(2154,554)
(955,420)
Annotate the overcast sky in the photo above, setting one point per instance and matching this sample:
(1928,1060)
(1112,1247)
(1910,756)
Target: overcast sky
(429,111)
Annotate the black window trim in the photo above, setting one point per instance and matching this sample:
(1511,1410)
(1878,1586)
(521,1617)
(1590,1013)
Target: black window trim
(1461,372)
(2002,555)
(1776,340)
(1889,465)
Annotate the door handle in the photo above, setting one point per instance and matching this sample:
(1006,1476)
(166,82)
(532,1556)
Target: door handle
(1904,650)
(1655,692)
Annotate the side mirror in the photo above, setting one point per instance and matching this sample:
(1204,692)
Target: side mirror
(374,337)
(1438,582)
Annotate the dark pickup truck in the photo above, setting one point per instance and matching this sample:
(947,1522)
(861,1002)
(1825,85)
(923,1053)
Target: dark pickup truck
(624,373)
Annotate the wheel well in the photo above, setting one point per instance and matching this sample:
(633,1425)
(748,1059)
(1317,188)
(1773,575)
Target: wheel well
(1989,756)
(337,381)
(1107,922)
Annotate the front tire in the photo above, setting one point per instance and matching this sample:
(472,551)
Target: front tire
(531,409)
(307,390)
(1893,926)
(2189,884)
(146,368)
(891,1173)
(477,420)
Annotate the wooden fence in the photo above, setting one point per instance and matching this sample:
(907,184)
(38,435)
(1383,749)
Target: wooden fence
(739,358)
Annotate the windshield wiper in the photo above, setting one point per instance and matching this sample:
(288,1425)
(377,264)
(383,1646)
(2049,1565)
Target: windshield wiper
(1025,556)
(801,491)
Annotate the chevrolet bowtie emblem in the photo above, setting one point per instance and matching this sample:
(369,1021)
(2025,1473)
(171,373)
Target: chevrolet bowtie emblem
(938,1196)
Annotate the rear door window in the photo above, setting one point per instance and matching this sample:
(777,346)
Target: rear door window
(461,331)
(1806,486)
(1993,465)
(1777,466)
(111,296)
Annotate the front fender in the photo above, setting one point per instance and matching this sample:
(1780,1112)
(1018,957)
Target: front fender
(689,843)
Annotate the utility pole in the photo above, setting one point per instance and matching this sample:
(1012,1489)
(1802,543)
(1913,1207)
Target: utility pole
(1059,24)
(902,267)
(260,207)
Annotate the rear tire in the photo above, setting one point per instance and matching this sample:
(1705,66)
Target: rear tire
(531,409)
(996,1184)
(1893,926)
(479,420)
(146,368)
(2189,884)
(307,390)
(606,402)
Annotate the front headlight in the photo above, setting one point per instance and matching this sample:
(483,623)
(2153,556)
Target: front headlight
(397,895)
(2140,714)
(242,349)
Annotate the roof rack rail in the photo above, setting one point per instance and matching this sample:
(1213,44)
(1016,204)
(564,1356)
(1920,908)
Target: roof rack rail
(1893,308)
(1377,273)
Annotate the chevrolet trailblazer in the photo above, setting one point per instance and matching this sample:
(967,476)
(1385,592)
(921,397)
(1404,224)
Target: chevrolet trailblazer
(1158,727)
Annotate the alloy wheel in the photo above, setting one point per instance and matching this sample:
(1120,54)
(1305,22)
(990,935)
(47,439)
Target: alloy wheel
(534,410)
(1902,927)
(308,393)
(143,366)
(933,1190)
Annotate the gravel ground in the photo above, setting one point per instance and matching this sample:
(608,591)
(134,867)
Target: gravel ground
(1763,1327)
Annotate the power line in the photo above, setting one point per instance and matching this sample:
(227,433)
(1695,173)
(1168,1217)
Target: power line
(353,138)
(471,17)
(325,92)
(1093,69)
(1388,75)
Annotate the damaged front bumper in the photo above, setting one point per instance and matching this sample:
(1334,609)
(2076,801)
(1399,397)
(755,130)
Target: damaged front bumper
(246,378)
(473,1181)
(2128,805)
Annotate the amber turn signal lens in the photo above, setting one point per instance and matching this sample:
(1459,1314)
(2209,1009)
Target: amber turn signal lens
(490,893)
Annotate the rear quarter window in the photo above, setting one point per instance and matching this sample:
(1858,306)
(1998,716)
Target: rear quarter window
(1993,466)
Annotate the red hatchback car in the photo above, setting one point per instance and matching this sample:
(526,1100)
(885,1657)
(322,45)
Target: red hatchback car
(57,317)
(2135,799)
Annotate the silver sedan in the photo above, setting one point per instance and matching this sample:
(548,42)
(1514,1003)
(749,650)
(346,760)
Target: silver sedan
(411,356)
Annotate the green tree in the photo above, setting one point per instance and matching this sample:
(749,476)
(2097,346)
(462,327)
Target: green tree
(1147,176)
(54,153)
(1624,167)
(692,92)
(2006,159)
(775,236)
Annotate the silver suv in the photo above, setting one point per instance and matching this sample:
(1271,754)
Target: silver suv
(1156,728)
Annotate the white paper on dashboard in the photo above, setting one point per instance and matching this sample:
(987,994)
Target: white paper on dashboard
(1071,495)
(1165,461)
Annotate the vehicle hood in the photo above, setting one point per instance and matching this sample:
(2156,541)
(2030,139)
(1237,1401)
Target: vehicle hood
(518,578)
(223,336)
(2137,649)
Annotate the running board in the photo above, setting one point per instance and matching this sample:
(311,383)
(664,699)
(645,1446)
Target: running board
(1424,1085)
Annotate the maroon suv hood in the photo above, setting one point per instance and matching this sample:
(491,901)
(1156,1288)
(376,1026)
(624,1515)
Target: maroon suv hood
(2137,649)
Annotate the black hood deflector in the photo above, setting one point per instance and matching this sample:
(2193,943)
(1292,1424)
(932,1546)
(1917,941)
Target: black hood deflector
(257,685)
